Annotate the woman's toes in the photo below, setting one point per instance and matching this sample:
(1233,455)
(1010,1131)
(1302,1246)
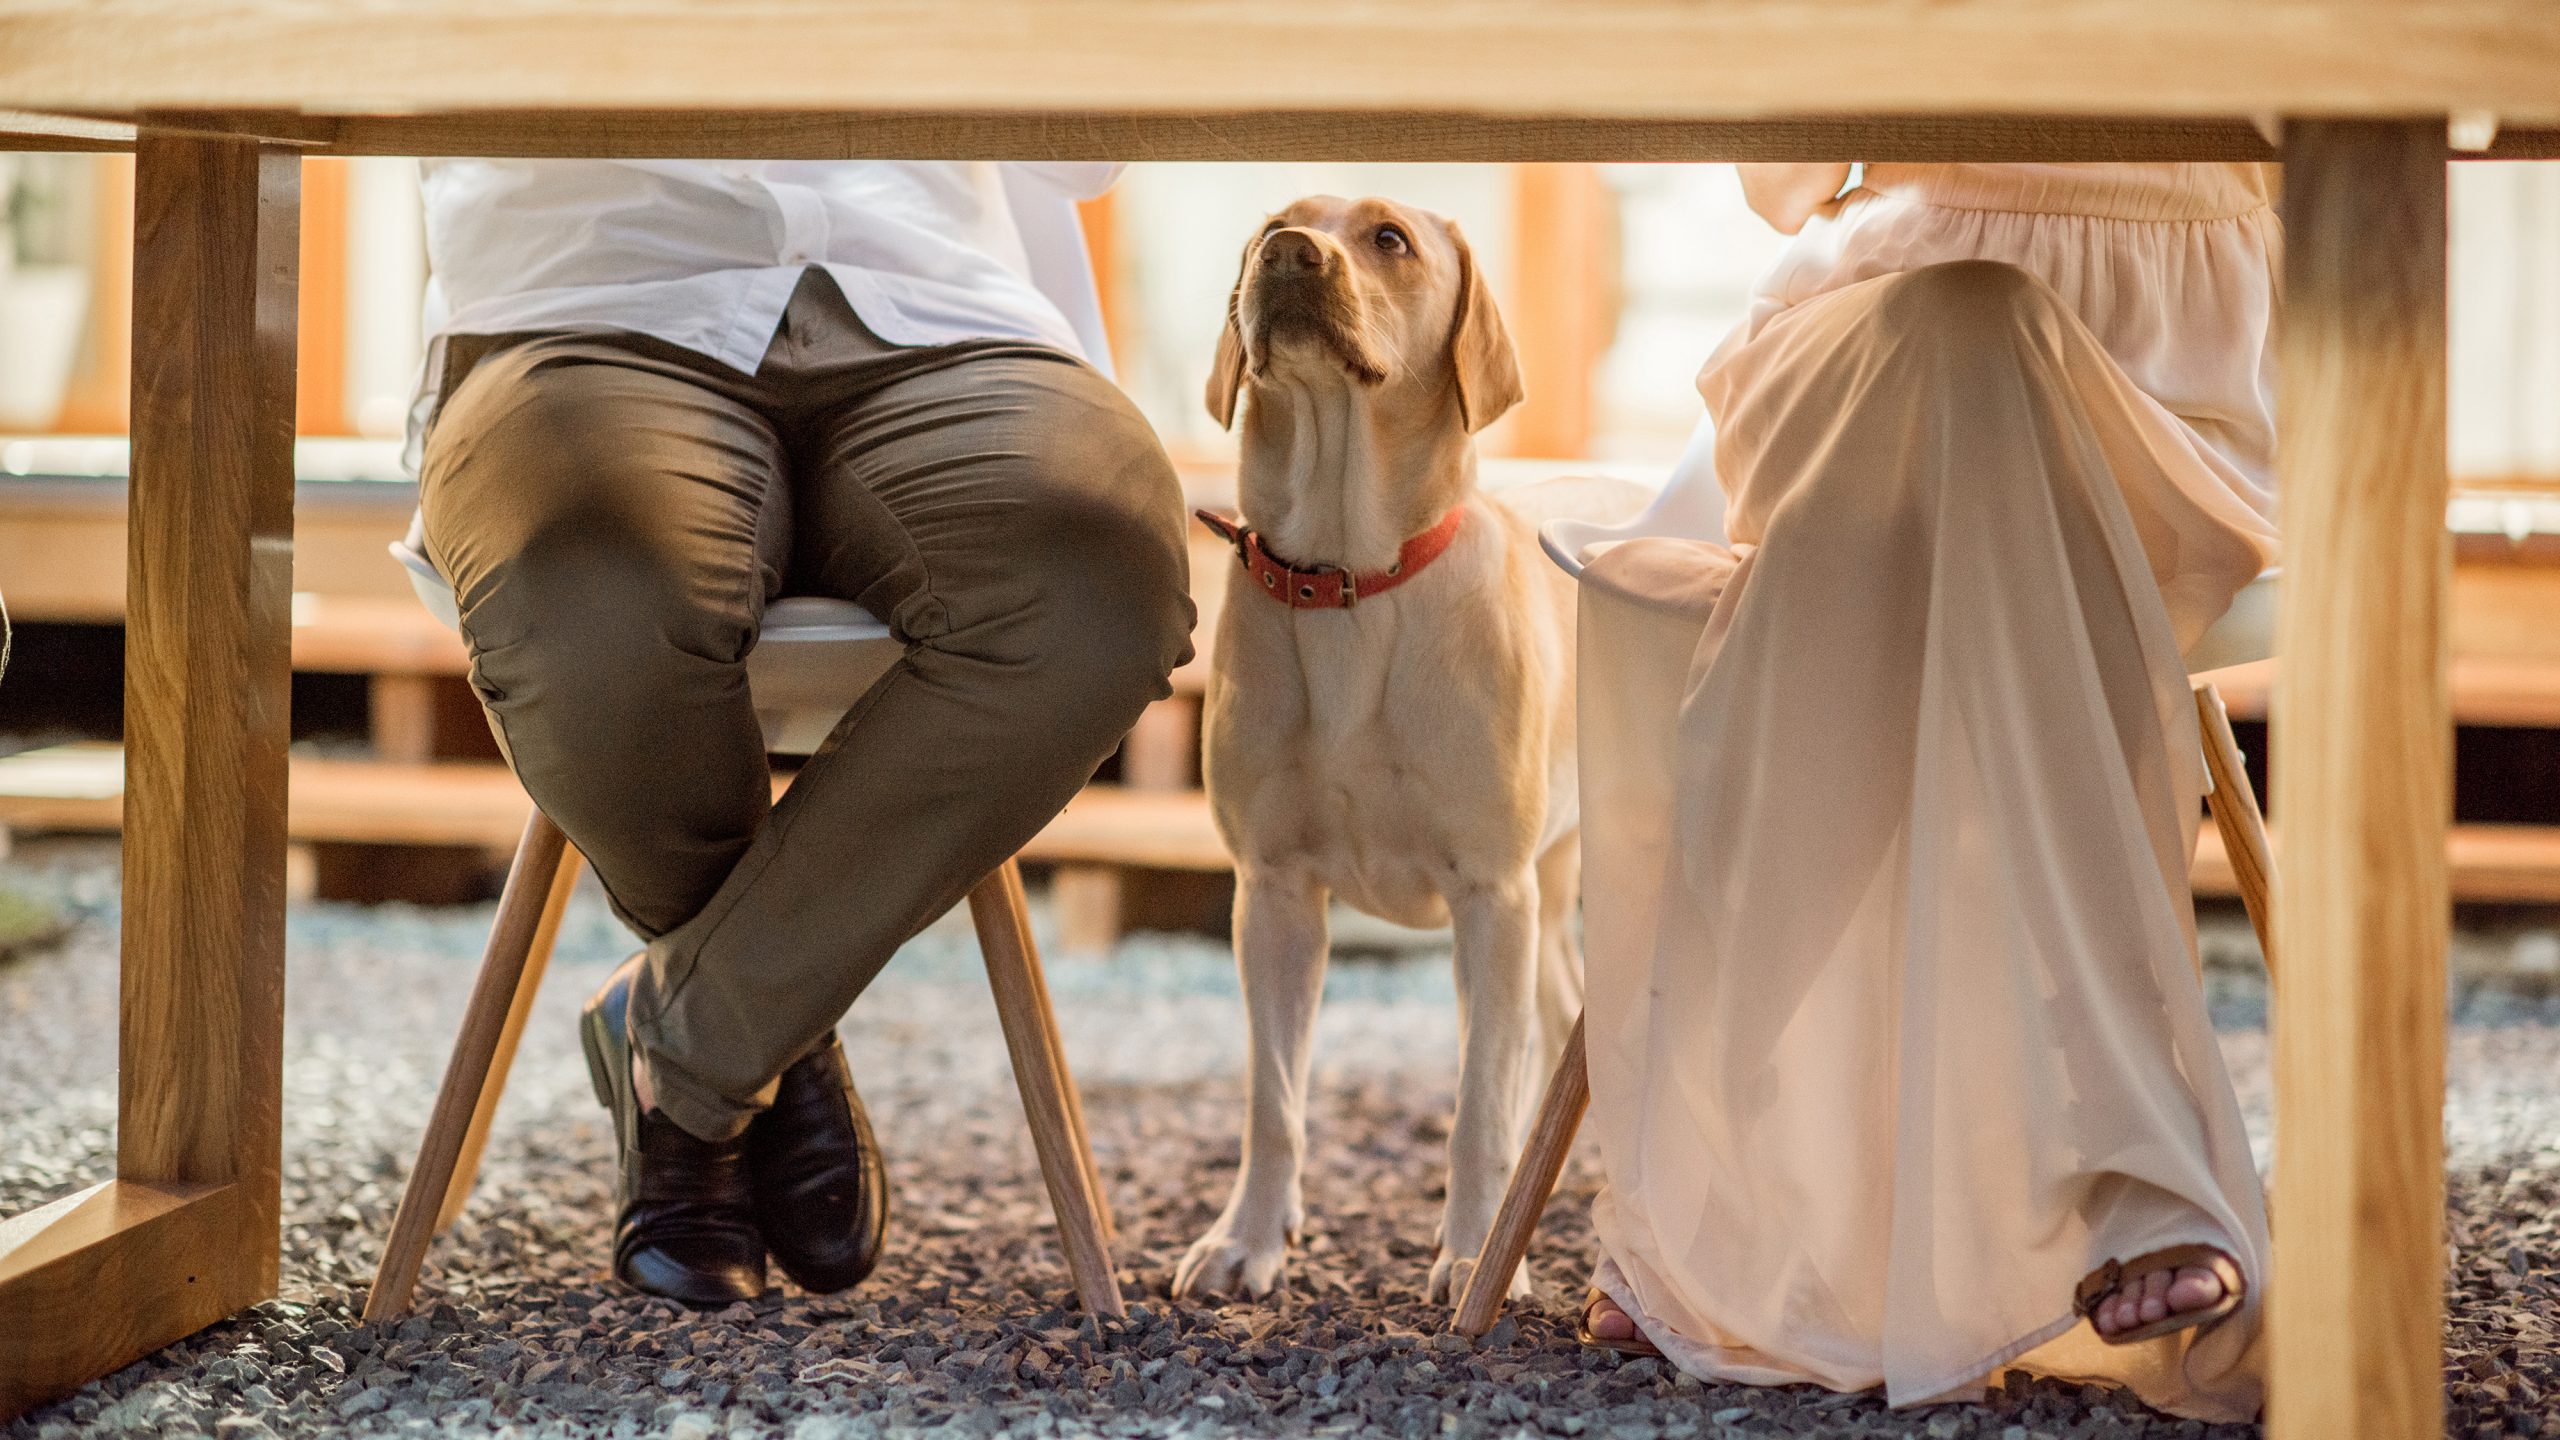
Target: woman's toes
(2155,1297)
(1611,1323)
(2194,1288)
(2150,1298)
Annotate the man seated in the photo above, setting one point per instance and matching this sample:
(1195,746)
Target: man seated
(660,395)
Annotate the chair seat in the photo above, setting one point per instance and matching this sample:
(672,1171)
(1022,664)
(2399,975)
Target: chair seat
(2246,631)
(813,659)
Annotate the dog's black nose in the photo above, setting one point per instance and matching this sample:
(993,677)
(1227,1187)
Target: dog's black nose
(1292,252)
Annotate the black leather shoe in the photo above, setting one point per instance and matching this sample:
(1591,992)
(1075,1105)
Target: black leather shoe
(821,1191)
(685,1228)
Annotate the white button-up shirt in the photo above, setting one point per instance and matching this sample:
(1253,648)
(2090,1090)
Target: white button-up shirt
(704,254)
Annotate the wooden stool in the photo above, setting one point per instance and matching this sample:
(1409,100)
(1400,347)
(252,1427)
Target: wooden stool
(813,660)
(2246,634)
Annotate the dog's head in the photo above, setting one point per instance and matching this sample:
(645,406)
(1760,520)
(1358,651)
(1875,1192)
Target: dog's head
(1383,293)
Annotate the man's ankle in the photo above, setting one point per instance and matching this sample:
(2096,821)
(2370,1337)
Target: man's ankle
(641,1089)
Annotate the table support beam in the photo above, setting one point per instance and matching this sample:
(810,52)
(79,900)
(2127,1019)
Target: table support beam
(207,703)
(2363,786)
(116,1272)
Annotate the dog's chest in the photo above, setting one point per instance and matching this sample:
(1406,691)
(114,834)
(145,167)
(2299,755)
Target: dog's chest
(1358,746)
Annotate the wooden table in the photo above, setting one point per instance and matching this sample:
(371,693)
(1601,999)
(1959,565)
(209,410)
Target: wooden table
(222,97)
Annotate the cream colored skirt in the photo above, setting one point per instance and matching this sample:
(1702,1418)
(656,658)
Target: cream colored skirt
(1894,1024)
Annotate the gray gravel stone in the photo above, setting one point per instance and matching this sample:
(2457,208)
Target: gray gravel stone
(965,1330)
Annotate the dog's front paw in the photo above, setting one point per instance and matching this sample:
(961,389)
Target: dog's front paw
(1450,1273)
(1228,1262)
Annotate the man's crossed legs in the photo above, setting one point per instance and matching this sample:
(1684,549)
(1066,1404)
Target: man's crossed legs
(615,513)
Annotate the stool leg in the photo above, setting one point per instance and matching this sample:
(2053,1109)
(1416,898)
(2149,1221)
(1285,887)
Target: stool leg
(1533,1179)
(1066,1162)
(1021,908)
(537,960)
(2244,827)
(530,881)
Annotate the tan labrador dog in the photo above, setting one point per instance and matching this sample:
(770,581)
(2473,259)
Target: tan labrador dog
(1390,719)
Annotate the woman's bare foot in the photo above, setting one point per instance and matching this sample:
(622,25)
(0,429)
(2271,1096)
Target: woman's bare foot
(1606,1324)
(2154,1296)
(1608,1321)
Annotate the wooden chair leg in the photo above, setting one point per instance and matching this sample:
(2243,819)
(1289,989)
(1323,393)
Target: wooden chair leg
(1048,1097)
(521,909)
(1021,908)
(2244,827)
(546,932)
(1533,1179)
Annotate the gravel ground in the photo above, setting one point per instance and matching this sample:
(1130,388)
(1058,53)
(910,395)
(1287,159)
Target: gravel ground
(964,1331)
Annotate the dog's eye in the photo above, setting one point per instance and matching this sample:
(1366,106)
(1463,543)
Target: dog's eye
(1391,240)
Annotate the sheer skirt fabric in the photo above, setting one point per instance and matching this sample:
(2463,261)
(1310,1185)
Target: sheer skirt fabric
(1894,1024)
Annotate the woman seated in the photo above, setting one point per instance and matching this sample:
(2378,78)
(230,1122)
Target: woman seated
(1914,1075)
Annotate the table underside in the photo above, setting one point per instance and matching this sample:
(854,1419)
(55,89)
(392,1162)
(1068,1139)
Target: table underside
(1230,135)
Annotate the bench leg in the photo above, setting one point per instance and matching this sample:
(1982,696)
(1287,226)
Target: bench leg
(504,971)
(537,960)
(1091,905)
(2244,827)
(1048,1095)
(1533,1179)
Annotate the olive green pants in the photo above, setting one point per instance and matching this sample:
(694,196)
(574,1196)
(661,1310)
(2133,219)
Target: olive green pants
(615,513)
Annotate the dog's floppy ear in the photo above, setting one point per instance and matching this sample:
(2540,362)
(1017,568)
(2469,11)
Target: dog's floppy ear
(1488,369)
(1226,373)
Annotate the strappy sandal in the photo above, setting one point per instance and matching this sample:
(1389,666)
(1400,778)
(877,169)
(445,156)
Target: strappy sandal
(2102,1283)
(1635,1344)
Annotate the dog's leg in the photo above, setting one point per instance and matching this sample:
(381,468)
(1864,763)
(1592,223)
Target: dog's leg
(1280,953)
(1559,955)
(1497,935)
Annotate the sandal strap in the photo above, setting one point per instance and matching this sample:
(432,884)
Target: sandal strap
(2095,1287)
(1591,1299)
(2104,1281)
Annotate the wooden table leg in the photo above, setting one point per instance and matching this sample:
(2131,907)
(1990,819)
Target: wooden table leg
(2363,781)
(187,1231)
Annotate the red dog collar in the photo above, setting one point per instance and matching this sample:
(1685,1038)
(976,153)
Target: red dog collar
(1330,587)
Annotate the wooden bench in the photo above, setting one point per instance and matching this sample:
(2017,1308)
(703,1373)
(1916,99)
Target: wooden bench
(62,546)
(2487,692)
(80,789)
(1126,854)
